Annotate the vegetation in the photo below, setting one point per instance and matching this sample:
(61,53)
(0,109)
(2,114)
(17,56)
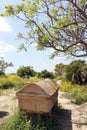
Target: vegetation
(45,74)
(21,121)
(34,79)
(26,72)
(75,72)
(63,27)
(3,66)
(59,69)
(77,93)
(14,81)
(84,73)
(11,81)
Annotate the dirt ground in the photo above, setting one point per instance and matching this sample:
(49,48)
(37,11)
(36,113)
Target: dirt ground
(8,104)
(75,116)
(71,117)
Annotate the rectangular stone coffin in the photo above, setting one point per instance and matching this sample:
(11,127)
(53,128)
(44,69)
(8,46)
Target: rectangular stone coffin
(39,97)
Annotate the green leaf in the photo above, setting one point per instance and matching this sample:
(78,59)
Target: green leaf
(21,47)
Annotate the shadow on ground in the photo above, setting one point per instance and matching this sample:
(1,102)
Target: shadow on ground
(59,120)
(3,114)
(62,118)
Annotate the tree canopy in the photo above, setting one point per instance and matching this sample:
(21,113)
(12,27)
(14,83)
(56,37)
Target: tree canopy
(57,24)
(26,71)
(4,65)
(45,74)
(59,69)
(75,71)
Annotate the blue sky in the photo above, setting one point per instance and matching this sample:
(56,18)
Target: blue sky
(39,60)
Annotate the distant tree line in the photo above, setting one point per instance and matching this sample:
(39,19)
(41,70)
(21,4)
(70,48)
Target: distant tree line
(28,71)
(76,71)
(24,71)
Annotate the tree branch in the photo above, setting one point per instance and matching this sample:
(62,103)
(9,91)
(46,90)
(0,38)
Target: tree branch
(79,9)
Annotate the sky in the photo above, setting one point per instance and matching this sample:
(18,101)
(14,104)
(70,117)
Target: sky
(39,60)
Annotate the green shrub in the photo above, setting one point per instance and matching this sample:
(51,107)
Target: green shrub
(5,84)
(18,81)
(20,121)
(66,86)
(77,93)
(11,81)
(16,122)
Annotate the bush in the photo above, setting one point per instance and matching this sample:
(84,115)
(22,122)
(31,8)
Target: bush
(18,81)
(5,83)
(11,81)
(26,71)
(77,93)
(45,74)
(66,86)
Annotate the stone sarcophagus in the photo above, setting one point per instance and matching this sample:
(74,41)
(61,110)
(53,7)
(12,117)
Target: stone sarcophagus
(39,97)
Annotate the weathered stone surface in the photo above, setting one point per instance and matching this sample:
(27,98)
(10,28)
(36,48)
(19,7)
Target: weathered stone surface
(39,97)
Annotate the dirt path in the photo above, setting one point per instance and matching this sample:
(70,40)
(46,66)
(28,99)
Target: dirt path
(72,117)
(75,116)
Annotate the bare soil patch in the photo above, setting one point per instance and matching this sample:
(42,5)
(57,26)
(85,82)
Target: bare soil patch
(74,117)
(8,104)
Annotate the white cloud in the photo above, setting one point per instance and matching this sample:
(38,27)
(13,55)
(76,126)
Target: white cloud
(4,25)
(4,47)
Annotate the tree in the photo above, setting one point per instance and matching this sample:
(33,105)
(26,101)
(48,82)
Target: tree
(74,71)
(4,65)
(26,71)
(84,73)
(45,74)
(59,69)
(57,24)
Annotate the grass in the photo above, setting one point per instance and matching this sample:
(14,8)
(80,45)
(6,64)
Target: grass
(21,121)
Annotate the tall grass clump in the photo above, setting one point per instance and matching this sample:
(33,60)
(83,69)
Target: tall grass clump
(77,93)
(21,121)
(15,122)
